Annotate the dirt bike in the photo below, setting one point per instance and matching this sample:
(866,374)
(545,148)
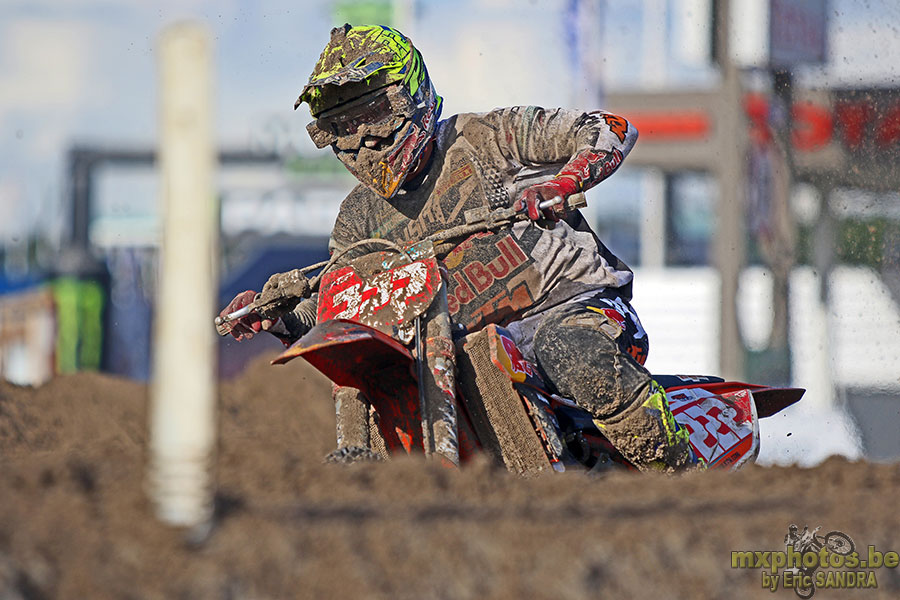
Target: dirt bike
(406,380)
(812,542)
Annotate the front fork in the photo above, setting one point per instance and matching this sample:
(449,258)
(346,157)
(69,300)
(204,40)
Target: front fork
(436,368)
(435,372)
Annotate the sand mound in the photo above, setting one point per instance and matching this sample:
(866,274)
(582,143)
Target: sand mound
(75,522)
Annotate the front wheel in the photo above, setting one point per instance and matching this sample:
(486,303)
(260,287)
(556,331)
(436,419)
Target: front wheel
(805,592)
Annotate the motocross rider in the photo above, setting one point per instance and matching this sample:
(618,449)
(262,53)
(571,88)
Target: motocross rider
(563,296)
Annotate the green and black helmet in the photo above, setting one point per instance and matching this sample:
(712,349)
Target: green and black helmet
(373,103)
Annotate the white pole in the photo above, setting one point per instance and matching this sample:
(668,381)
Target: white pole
(182,414)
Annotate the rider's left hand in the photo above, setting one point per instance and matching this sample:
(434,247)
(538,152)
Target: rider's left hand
(244,327)
(531,198)
(281,293)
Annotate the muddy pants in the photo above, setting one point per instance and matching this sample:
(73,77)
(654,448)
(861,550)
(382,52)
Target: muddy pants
(592,350)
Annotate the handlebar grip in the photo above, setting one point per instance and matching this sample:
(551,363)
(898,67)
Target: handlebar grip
(573,202)
(222,327)
(241,312)
(550,202)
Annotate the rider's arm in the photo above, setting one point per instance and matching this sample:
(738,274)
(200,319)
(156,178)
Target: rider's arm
(294,324)
(589,145)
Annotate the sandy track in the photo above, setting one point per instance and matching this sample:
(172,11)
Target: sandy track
(75,523)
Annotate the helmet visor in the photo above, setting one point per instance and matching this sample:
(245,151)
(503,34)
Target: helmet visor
(379,113)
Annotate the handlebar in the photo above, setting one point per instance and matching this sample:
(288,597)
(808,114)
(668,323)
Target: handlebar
(477,222)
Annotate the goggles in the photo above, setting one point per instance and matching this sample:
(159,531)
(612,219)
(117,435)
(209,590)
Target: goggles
(379,113)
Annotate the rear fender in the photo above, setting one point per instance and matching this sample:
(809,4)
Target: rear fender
(769,400)
(722,417)
(723,426)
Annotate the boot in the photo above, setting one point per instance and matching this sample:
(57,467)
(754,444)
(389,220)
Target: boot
(648,436)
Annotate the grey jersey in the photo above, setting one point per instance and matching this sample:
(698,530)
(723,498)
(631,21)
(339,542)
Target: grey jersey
(485,160)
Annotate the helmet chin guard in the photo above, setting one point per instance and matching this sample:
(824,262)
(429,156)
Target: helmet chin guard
(384,167)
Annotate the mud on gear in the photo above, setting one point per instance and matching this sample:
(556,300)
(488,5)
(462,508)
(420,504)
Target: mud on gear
(593,351)
(373,103)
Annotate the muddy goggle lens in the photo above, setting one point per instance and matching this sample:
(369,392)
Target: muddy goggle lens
(380,112)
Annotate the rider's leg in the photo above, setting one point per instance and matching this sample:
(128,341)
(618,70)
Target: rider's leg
(590,351)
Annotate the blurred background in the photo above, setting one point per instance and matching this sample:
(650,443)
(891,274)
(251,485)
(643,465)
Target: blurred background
(760,208)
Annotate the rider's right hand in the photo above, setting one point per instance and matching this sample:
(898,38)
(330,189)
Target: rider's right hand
(244,327)
(531,198)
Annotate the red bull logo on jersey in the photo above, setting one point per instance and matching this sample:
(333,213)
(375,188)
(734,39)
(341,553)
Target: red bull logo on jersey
(471,278)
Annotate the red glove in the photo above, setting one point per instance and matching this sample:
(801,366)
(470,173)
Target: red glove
(244,327)
(531,198)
